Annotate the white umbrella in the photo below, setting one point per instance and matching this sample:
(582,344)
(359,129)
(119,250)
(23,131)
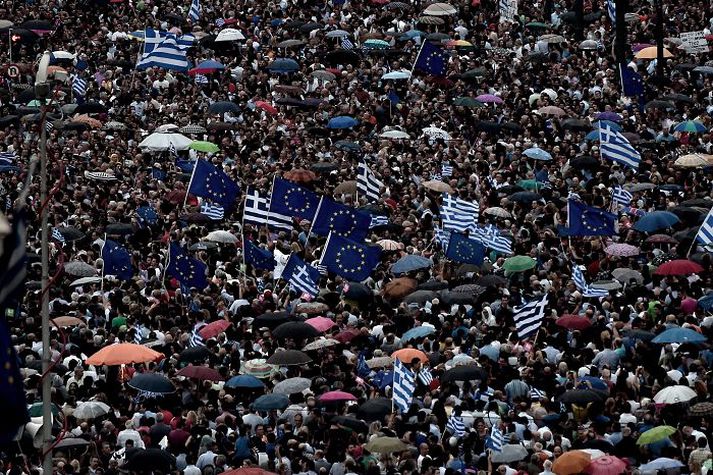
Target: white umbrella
(160,142)
(460,360)
(292,385)
(167,128)
(79,269)
(395,134)
(550,92)
(674,394)
(86,280)
(225,237)
(397,75)
(440,9)
(63,55)
(337,34)
(90,410)
(229,34)
(436,133)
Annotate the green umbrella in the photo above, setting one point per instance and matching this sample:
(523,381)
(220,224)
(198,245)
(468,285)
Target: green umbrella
(519,263)
(464,101)
(201,146)
(383,445)
(537,24)
(656,434)
(533,185)
(36,410)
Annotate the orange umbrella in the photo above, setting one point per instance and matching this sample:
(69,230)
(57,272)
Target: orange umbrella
(407,355)
(650,53)
(88,121)
(572,462)
(400,288)
(123,353)
(66,321)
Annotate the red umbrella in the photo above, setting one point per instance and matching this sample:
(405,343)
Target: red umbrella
(266,107)
(333,396)
(214,328)
(177,196)
(202,373)
(321,324)
(346,336)
(607,465)
(300,175)
(661,239)
(573,322)
(678,267)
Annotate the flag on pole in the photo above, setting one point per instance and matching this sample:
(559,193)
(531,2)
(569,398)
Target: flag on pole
(195,12)
(257,257)
(528,318)
(349,259)
(458,215)
(57,236)
(404,386)
(496,440)
(446,170)
(611,9)
(586,220)
(213,211)
(117,260)
(79,87)
(581,283)
(465,250)
(456,426)
(257,211)
(166,55)
(367,183)
(341,220)
(301,276)
(425,376)
(705,232)
(617,148)
(620,196)
(490,236)
(432,59)
(632,84)
(188,271)
(290,199)
(196,339)
(208,181)
(347,44)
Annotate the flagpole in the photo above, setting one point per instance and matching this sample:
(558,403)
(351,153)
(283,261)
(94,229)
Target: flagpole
(326,246)
(168,262)
(101,288)
(693,244)
(269,206)
(311,226)
(190,183)
(413,68)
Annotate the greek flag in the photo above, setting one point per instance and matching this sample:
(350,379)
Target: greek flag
(378,220)
(404,386)
(536,394)
(367,183)
(49,126)
(153,38)
(195,12)
(496,440)
(7,158)
(167,55)
(611,9)
(443,237)
(214,212)
(490,236)
(456,426)
(446,169)
(301,276)
(138,334)
(57,236)
(196,339)
(79,87)
(257,211)
(528,318)
(458,215)
(347,44)
(620,196)
(582,285)
(425,376)
(615,147)
(705,232)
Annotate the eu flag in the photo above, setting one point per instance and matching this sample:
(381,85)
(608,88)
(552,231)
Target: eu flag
(432,59)
(188,271)
(147,215)
(158,174)
(117,260)
(632,83)
(589,221)
(186,166)
(257,257)
(12,391)
(463,249)
(289,199)
(340,220)
(213,184)
(349,259)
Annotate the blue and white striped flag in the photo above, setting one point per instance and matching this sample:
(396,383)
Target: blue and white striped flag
(166,55)
(213,211)
(425,376)
(57,236)
(620,196)
(49,126)
(446,170)
(301,276)
(367,183)
(458,215)
(436,176)
(153,38)
(347,44)
(617,148)
(528,318)
(581,283)
(705,232)
(7,158)
(257,211)
(201,79)
(490,236)
(378,220)
(456,426)
(536,394)
(404,386)
(195,12)
(79,87)
(442,237)
(138,334)
(611,9)
(496,440)
(196,339)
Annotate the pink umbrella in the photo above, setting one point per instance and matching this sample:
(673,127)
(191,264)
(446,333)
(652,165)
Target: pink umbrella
(334,396)
(321,324)
(607,465)
(622,250)
(214,328)
(489,98)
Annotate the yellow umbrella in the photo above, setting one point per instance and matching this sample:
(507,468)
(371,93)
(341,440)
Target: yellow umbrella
(650,53)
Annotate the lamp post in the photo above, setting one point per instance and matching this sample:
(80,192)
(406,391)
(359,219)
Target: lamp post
(42,92)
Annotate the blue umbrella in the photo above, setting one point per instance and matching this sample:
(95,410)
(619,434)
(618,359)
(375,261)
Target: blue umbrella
(417,332)
(221,107)
(283,66)
(153,383)
(9,168)
(491,352)
(656,220)
(209,65)
(706,303)
(410,263)
(690,126)
(347,146)
(268,402)
(342,122)
(679,335)
(604,123)
(596,383)
(411,34)
(245,381)
(537,154)
(609,115)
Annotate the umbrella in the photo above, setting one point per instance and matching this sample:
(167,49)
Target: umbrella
(351,423)
(438,186)
(607,284)
(342,122)
(498,212)
(290,43)
(399,288)
(655,435)
(257,367)
(223,237)
(269,402)
(701,409)
(510,453)
(489,99)
(571,462)
(206,67)
(519,263)
(417,332)
(289,358)
(389,245)
(222,107)
(300,175)
(79,269)
(192,129)
(283,66)
(525,197)
(321,324)
(311,308)
(407,355)
(229,34)
(69,442)
(440,9)
(292,386)
(678,267)
(589,45)
(395,135)
(374,409)
(203,146)
(661,239)
(117,229)
(650,53)
(491,280)
(375,44)
(244,381)
(678,98)
(149,461)
(436,133)
(272,319)
(467,102)
(336,396)
(385,445)
(62,322)
(347,146)
(213,329)
(123,353)
(337,34)
(661,463)
(380,362)
(343,57)
(431,20)
(295,330)
(679,335)
(162,142)
(622,250)
(573,322)
(464,373)
(537,154)
(323,75)
(656,220)
(90,410)
(153,383)
(693,160)
(201,373)
(690,126)
(581,396)
(320,344)
(674,394)
(703,69)
(411,263)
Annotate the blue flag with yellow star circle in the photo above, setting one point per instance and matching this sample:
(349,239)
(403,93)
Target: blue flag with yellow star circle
(117,261)
(341,220)
(214,184)
(188,271)
(349,259)
(463,249)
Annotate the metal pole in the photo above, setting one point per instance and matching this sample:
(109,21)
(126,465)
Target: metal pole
(660,61)
(579,20)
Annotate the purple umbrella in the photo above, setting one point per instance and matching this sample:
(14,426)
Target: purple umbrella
(636,47)
(489,98)
(609,115)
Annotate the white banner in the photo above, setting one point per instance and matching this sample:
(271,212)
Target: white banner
(694,42)
(508,10)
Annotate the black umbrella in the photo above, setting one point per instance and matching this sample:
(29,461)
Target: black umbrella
(491,280)
(678,98)
(36,25)
(689,214)
(433,285)
(293,24)
(194,354)
(175,18)
(489,126)
(152,383)
(375,409)
(358,291)
(71,233)
(70,442)
(347,146)
(302,103)
(90,108)
(584,162)
(273,319)
(296,330)
(119,228)
(289,357)
(455,298)
(149,460)
(356,425)
(342,56)
(576,124)
(464,373)
(311,26)
(582,396)
(221,107)
(525,197)
(702,202)
(195,218)
(324,167)
(510,189)
(659,104)
(24,35)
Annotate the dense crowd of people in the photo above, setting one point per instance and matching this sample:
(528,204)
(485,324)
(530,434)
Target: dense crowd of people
(579,395)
